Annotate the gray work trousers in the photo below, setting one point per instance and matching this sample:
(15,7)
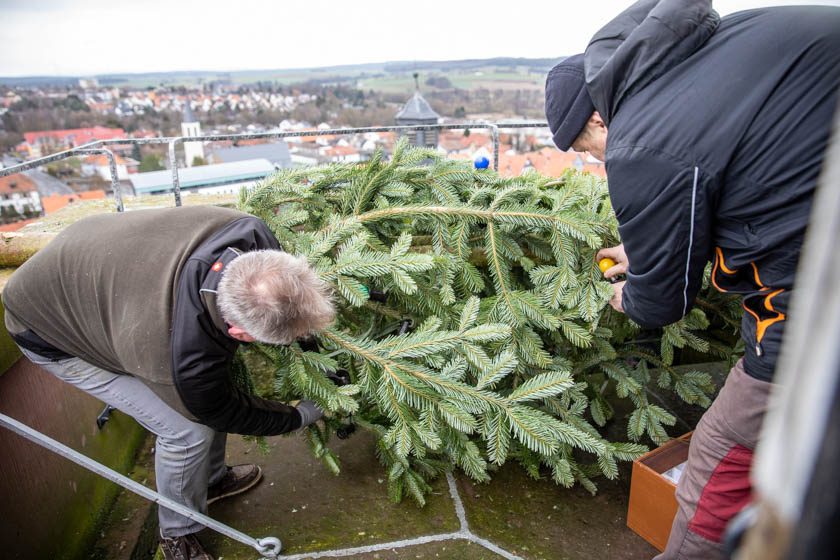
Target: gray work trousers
(188,456)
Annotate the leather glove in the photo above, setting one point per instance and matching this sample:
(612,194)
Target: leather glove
(340,377)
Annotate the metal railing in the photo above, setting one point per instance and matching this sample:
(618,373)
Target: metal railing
(100,147)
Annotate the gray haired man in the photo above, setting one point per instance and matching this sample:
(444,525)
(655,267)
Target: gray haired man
(145,310)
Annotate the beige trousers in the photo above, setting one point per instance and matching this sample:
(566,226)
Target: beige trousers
(715,485)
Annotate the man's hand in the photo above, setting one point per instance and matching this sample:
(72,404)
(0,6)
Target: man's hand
(309,412)
(340,377)
(619,256)
(615,301)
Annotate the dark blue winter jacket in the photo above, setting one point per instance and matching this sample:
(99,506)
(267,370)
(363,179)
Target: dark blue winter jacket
(716,134)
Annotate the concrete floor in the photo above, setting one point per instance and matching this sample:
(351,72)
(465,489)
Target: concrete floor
(317,515)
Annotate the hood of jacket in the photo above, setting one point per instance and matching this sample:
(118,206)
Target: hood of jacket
(640,45)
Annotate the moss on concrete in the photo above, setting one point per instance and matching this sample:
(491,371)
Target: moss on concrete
(95,495)
(130,529)
(448,549)
(114,446)
(9,352)
(538,520)
(72,213)
(16,248)
(309,509)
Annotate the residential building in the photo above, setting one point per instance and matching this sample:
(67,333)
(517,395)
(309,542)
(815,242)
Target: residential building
(191,127)
(548,161)
(18,197)
(464,141)
(276,151)
(341,154)
(44,142)
(55,202)
(101,166)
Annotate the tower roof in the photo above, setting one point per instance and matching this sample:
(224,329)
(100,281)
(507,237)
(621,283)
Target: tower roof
(189,116)
(417,108)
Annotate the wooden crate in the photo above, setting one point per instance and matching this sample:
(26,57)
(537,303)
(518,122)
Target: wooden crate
(653,504)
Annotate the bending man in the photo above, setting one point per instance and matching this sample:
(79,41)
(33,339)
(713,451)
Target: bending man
(145,310)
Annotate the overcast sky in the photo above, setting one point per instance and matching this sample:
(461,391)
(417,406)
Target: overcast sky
(87,37)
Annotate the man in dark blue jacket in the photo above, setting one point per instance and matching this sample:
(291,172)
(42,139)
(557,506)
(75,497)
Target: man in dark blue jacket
(717,129)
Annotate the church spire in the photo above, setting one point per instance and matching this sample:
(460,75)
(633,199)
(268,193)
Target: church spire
(417,111)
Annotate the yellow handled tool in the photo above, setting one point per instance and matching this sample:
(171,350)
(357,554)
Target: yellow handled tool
(604,265)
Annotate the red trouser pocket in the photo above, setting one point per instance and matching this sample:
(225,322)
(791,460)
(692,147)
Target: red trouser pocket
(725,494)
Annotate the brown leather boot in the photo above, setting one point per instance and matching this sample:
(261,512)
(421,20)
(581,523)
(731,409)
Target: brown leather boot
(186,547)
(238,479)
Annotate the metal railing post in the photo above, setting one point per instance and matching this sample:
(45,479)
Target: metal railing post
(112,164)
(173,164)
(494,134)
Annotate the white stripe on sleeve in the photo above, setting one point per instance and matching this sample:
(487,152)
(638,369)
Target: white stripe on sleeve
(690,239)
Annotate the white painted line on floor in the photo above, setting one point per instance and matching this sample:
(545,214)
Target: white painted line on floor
(463,533)
(375,547)
(493,548)
(459,505)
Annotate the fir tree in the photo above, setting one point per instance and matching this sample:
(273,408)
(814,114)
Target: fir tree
(473,321)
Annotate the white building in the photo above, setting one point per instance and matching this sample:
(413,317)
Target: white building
(191,127)
(219,178)
(101,165)
(18,192)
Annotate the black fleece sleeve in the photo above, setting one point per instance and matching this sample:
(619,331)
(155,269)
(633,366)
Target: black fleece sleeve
(664,213)
(202,355)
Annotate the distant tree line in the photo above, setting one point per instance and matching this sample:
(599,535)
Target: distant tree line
(542,65)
